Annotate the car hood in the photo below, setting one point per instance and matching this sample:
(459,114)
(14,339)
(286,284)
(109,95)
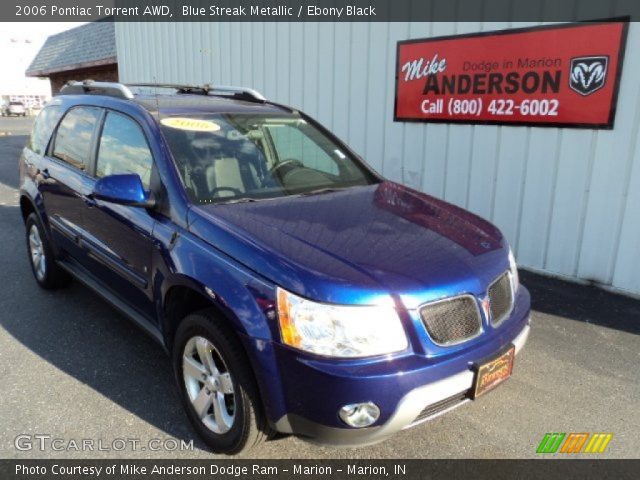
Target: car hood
(360,245)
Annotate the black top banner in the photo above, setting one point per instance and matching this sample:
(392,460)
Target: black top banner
(315,10)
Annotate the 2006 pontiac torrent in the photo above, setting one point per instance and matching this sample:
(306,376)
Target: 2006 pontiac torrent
(296,290)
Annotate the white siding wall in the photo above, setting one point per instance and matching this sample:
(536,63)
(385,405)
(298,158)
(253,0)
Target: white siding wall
(568,200)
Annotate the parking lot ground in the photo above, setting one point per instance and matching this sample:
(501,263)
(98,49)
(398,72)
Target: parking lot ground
(73,368)
(15,125)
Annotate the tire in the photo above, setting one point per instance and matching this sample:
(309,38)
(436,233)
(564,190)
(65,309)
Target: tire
(232,418)
(45,270)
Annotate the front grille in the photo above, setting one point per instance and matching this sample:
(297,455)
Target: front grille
(435,408)
(500,298)
(452,320)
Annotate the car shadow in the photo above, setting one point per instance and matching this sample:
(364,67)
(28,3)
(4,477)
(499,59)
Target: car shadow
(584,303)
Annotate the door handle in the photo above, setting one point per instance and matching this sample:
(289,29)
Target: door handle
(44,174)
(89,201)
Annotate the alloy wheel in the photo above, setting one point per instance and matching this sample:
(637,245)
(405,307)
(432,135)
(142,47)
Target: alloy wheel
(209,385)
(36,249)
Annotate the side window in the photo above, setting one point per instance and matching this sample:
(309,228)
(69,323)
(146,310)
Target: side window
(45,123)
(123,149)
(73,138)
(292,143)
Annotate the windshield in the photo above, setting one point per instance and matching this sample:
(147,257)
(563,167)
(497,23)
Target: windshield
(245,157)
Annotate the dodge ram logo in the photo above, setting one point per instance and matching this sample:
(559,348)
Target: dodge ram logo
(588,74)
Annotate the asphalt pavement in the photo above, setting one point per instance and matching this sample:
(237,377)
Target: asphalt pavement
(72,368)
(15,125)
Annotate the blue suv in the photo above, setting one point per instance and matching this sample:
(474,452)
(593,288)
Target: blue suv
(296,290)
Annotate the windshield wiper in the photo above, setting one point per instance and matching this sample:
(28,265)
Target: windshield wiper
(238,200)
(318,191)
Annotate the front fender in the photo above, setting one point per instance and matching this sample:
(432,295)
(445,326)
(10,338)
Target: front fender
(244,297)
(246,300)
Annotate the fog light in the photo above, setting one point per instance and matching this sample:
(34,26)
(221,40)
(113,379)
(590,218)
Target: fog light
(359,415)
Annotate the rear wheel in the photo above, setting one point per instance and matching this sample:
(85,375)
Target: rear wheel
(45,270)
(217,385)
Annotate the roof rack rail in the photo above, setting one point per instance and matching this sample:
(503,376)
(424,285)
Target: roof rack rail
(120,90)
(173,86)
(111,89)
(233,90)
(207,89)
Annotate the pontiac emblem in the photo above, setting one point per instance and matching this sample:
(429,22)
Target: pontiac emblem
(588,74)
(486,307)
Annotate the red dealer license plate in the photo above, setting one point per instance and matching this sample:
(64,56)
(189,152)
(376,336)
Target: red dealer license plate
(493,372)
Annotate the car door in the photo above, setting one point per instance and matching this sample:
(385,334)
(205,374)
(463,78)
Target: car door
(119,237)
(63,179)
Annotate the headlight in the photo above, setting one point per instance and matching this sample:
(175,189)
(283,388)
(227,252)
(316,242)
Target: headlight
(339,331)
(513,268)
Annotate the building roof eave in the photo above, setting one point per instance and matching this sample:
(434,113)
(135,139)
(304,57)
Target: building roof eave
(77,66)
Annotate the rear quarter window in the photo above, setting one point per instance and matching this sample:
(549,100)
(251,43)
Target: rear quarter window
(43,127)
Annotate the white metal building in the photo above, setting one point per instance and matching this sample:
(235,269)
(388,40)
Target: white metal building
(568,200)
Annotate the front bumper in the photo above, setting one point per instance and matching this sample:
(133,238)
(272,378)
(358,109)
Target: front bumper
(417,406)
(303,394)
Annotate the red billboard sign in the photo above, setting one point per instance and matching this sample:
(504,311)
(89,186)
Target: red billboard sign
(561,75)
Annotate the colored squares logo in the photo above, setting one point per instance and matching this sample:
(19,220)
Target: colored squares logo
(574,443)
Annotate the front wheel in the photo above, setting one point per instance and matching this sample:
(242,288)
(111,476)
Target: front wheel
(216,384)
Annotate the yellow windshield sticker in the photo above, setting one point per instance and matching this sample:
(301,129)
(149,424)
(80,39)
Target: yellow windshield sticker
(190,124)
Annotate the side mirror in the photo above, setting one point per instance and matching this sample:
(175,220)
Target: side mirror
(125,189)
